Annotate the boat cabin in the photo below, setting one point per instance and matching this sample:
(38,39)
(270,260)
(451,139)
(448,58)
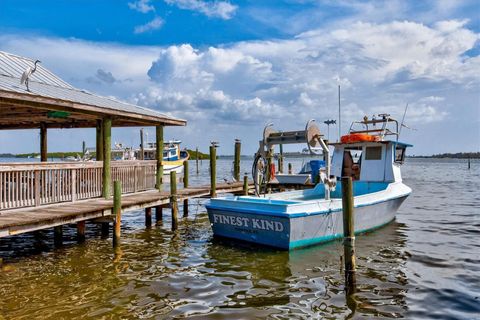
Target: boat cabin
(365,155)
(369,161)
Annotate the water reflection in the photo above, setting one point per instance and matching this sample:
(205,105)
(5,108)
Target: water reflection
(404,270)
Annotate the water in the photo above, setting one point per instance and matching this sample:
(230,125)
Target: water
(425,265)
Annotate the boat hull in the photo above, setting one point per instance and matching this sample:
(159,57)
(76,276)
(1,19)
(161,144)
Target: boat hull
(299,230)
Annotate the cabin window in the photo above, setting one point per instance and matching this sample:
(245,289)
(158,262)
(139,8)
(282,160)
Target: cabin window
(399,154)
(373,153)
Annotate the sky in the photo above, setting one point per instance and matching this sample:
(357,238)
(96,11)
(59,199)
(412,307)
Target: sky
(231,67)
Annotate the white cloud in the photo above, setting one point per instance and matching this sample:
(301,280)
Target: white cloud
(213,9)
(142,6)
(155,24)
(231,91)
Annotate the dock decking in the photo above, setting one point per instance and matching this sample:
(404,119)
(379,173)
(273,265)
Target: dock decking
(22,220)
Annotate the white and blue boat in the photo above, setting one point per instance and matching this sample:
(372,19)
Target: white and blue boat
(301,218)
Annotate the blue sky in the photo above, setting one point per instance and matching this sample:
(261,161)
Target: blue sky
(229,67)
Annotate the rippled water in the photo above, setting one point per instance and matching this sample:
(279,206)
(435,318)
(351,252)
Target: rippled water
(426,264)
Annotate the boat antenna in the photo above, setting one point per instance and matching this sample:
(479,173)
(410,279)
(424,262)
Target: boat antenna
(339,116)
(403,119)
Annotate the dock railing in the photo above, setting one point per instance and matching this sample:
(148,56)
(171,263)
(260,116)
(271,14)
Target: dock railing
(35,184)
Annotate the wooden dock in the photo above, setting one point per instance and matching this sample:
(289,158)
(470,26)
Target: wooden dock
(22,220)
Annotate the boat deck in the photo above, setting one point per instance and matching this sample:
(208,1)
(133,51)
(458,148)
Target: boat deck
(17,221)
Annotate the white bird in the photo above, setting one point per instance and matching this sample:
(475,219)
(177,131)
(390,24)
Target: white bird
(27,73)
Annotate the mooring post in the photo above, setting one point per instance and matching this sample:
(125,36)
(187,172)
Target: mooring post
(173,199)
(468,163)
(57,236)
(196,158)
(348,233)
(117,211)
(289,168)
(280,159)
(213,171)
(185,185)
(236,164)
(141,156)
(159,157)
(105,229)
(158,213)
(148,217)
(81,231)
(245,184)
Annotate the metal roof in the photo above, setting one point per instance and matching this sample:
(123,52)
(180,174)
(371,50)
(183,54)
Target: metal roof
(44,83)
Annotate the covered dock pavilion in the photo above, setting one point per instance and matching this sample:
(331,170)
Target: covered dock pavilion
(35,196)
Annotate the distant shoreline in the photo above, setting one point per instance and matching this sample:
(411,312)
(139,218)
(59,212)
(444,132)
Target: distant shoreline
(459,155)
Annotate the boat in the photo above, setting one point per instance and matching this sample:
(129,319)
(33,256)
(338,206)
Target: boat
(300,218)
(173,156)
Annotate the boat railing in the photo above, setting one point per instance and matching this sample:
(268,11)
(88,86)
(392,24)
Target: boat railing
(369,126)
(36,184)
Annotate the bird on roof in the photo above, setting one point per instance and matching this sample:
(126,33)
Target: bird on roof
(27,73)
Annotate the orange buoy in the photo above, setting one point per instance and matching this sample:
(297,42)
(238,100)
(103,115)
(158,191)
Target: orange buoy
(358,137)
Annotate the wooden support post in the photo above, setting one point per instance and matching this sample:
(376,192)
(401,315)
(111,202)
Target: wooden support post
(107,156)
(43,142)
(348,233)
(105,229)
(81,231)
(99,138)
(185,185)
(141,156)
(148,217)
(236,164)
(280,159)
(57,236)
(84,149)
(213,171)
(117,212)
(196,158)
(158,213)
(173,199)
(245,184)
(289,168)
(159,157)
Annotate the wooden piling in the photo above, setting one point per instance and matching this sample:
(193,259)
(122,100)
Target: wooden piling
(158,213)
(289,168)
(81,231)
(58,236)
(43,142)
(107,156)
(117,211)
(236,164)
(185,185)
(159,157)
(148,217)
(196,158)
(105,229)
(280,159)
(348,232)
(173,199)
(245,184)
(141,156)
(213,171)
(99,144)
(468,163)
